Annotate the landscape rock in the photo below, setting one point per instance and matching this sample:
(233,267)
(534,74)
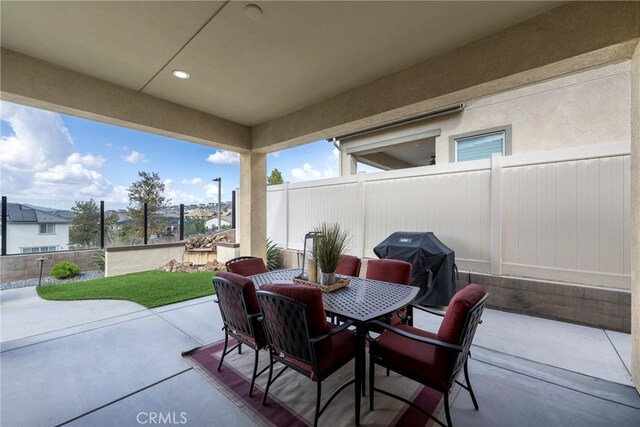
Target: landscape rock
(208,241)
(189,267)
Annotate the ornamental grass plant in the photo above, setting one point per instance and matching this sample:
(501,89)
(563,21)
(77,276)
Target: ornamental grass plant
(330,244)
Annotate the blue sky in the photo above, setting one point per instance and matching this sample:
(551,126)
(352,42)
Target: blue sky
(48,156)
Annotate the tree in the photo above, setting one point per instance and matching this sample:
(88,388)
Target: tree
(275,178)
(194,226)
(85,227)
(148,189)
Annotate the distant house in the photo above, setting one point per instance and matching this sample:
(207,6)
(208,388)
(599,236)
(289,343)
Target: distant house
(199,213)
(212,224)
(33,229)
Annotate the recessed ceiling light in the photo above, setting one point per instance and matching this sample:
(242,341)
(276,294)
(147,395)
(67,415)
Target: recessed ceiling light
(253,11)
(180,74)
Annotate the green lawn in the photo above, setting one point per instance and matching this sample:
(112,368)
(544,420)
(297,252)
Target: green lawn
(150,288)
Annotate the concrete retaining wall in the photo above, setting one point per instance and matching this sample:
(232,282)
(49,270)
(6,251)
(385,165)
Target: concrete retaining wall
(587,305)
(18,267)
(132,259)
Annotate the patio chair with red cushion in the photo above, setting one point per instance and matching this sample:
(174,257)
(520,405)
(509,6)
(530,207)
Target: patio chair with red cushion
(246,266)
(389,270)
(349,265)
(433,360)
(392,271)
(300,338)
(236,298)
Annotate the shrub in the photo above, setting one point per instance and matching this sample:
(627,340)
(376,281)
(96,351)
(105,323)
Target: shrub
(64,270)
(98,259)
(273,255)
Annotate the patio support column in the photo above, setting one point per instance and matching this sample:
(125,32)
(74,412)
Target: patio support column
(253,204)
(635,217)
(348,164)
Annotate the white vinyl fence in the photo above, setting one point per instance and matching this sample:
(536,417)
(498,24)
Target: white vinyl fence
(557,215)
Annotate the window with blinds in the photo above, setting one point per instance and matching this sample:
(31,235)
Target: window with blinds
(480,146)
(47,229)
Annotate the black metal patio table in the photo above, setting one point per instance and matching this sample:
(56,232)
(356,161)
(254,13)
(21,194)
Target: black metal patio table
(362,300)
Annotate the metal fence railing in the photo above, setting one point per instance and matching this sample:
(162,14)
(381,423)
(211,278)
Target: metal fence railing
(31,228)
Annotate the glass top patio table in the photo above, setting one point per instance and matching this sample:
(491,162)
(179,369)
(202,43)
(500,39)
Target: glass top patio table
(362,300)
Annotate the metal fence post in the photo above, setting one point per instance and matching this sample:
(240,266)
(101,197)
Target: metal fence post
(181,221)
(101,224)
(145,227)
(4,225)
(233,209)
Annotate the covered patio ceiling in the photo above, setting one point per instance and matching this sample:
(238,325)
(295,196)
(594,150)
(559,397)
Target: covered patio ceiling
(270,75)
(249,67)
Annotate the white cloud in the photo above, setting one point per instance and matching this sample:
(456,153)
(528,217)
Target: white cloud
(178,196)
(275,154)
(212,190)
(329,173)
(308,173)
(88,160)
(193,181)
(223,157)
(39,159)
(135,157)
(119,195)
(335,154)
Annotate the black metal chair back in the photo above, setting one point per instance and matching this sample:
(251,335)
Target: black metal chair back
(233,306)
(240,315)
(246,266)
(286,325)
(471,323)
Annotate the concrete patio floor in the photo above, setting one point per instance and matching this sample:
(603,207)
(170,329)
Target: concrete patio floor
(111,363)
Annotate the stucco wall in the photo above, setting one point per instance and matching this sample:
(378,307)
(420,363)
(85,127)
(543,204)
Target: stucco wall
(588,108)
(635,218)
(132,259)
(28,235)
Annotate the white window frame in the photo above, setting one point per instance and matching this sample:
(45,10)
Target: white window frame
(504,140)
(37,249)
(46,227)
(506,145)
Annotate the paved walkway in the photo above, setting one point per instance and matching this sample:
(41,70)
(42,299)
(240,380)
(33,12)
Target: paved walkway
(112,363)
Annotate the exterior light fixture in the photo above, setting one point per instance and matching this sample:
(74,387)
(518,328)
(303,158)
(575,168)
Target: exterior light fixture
(41,260)
(180,74)
(253,11)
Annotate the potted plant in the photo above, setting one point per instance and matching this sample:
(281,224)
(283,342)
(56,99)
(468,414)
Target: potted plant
(330,244)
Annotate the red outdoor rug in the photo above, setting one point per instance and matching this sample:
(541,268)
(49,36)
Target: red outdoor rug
(291,400)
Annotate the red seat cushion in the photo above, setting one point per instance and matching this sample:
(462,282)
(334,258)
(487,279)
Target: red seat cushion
(260,340)
(349,265)
(389,270)
(251,302)
(424,362)
(248,267)
(453,322)
(335,352)
(310,296)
